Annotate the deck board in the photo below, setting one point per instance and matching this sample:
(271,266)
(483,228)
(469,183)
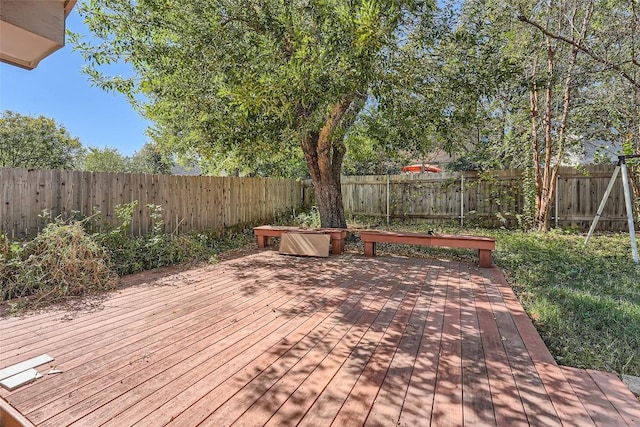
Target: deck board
(418,403)
(476,392)
(80,370)
(172,392)
(388,403)
(619,396)
(356,407)
(447,402)
(600,409)
(536,403)
(507,405)
(268,339)
(568,406)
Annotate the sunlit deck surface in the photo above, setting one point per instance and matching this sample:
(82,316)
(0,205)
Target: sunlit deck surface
(278,340)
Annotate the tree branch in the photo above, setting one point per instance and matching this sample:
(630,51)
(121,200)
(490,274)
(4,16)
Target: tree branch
(253,25)
(585,50)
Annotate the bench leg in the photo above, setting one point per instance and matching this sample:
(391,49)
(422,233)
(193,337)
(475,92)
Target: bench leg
(485,258)
(369,248)
(337,246)
(263,241)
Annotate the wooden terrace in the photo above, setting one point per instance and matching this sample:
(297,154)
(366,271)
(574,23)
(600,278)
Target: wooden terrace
(268,339)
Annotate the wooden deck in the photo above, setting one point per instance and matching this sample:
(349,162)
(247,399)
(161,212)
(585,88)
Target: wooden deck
(274,340)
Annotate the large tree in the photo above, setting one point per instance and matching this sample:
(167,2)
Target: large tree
(544,77)
(552,73)
(36,143)
(148,160)
(611,49)
(449,88)
(252,77)
(151,160)
(106,159)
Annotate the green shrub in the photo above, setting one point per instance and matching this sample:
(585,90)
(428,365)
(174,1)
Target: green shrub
(217,243)
(10,262)
(310,219)
(62,261)
(134,254)
(131,254)
(74,257)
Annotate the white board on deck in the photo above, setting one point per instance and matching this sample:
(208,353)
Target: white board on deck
(23,366)
(22,378)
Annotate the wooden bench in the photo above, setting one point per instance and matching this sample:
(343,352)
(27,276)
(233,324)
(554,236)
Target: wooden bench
(264,233)
(484,245)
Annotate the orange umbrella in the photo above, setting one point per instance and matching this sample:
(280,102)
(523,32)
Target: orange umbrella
(417,168)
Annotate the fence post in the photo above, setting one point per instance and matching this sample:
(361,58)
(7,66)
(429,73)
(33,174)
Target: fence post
(462,200)
(556,219)
(388,189)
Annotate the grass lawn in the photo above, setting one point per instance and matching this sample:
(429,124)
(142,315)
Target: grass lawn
(584,301)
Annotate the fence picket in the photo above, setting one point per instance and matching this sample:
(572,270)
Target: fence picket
(188,203)
(493,198)
(193,203)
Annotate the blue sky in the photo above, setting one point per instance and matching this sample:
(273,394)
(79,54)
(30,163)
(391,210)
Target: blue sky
(58,89)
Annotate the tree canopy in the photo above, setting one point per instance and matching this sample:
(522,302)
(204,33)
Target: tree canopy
(147,160)
(525,84)
(256,86)
(106,159)
(36,143)
(252,78)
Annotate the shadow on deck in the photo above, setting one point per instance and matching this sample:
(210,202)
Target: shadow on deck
(273,340)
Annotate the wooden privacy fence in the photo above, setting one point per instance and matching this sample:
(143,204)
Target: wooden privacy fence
(188,202)
(492,198)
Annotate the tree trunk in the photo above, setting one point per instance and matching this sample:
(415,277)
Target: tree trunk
(324,153)
(329,198)
(554,145)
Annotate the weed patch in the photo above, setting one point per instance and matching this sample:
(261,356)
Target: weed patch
(69,258)
(62,261)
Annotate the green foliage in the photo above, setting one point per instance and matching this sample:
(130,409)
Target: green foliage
(371,148)
(310,219)
(106,159)
(131,254)
(62,261)
(585,301)
(36,143)
(287,162)
(445,91)
(149,160)
(230,82)
(134,254)
(217,243)
(468,92)
(69,258)
(10,262)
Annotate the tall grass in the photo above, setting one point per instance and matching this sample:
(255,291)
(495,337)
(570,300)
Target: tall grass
(584,300)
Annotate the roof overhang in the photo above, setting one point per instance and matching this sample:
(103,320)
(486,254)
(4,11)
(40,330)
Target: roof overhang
(31,30)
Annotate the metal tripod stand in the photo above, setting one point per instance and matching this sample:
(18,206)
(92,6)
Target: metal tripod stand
(621,166)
